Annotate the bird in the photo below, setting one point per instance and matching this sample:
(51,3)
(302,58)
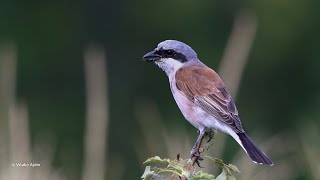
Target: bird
(202,96)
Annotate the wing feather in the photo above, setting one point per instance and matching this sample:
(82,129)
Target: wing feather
(204,87)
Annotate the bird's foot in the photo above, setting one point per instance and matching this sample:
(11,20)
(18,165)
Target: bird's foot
(195,153)
(211,134)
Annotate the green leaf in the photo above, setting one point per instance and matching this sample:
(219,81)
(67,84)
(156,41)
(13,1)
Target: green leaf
(216,160)
(202,176)
(168,171)
(187,174)
(175,168)
(157,159)
(225,176)
(222,176)
(183,167)
(227,170)
(233,168)
(147,173)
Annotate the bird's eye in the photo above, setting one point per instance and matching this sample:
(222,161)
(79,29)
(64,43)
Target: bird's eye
(170,52)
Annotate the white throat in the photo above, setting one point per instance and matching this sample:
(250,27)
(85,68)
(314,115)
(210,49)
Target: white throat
(169,65)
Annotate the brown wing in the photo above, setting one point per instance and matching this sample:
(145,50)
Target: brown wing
(204,87)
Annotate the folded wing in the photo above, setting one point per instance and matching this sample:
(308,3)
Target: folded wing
(204,87)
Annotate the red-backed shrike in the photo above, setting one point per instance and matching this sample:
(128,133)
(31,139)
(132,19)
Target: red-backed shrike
(201,95)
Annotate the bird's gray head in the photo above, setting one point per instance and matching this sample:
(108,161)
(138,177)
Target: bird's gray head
(171,55)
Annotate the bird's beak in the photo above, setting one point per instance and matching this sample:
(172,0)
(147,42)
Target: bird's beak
(151,56)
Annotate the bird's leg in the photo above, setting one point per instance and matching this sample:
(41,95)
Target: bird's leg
(195,152)
(198,142)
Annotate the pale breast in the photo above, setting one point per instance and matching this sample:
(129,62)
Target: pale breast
(187,108)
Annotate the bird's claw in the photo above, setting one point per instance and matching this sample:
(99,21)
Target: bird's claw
(211,135)
(195,153)
(198,163)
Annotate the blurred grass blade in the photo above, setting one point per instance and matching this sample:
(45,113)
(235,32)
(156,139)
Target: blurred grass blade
(97,114)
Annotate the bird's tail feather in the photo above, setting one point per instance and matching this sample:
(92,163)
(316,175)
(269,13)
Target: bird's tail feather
(253,151)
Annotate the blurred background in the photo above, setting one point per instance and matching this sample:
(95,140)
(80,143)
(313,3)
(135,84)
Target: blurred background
(76,98)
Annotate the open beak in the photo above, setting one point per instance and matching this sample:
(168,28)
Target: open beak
(151,56)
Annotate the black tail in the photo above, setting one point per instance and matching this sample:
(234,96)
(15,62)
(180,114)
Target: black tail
(253,151)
